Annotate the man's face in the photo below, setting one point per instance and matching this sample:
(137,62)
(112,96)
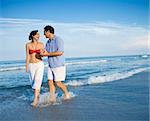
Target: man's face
(47,34)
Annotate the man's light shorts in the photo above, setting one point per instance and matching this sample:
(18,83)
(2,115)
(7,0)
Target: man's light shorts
(57,74)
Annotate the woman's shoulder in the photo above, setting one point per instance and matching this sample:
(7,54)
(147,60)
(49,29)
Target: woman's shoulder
(40,43)
(28,43)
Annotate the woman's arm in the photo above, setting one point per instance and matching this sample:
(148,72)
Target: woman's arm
(42,51)
(27,57)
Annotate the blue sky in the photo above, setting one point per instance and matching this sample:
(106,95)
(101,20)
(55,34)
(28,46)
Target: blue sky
(122,11)
(107,27)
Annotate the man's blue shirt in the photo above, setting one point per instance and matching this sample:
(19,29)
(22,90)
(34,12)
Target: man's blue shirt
(55,45)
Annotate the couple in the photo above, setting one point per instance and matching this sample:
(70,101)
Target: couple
(54,50)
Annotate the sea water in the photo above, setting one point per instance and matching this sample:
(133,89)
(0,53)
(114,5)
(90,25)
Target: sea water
(14,81)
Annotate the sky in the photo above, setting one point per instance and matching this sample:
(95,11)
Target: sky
(88,27)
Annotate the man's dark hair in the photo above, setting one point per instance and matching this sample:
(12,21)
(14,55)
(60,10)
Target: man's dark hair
(49,28)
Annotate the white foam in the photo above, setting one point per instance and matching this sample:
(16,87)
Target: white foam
(144,56)
(72,95)
(76,82)
(44,99)
(106,78)
(24,97)
(86,62)
(12,68)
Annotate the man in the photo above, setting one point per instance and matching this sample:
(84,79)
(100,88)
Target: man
(56,69)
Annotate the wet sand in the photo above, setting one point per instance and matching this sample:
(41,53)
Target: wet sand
(121,100)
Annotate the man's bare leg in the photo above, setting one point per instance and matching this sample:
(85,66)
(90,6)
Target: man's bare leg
(64,89)
(52,91)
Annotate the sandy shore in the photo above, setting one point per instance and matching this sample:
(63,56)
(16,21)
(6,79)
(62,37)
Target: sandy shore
(122,100)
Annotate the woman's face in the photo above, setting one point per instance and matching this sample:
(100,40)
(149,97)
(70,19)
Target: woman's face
(37,36)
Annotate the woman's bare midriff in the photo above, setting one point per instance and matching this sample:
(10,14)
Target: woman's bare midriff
(33,58)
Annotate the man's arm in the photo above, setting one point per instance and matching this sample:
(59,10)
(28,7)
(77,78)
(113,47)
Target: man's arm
(45,53)
(59,52)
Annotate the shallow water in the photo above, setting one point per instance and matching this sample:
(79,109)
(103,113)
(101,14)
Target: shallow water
(14,82)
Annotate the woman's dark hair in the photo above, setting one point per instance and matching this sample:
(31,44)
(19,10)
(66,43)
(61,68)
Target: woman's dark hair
(49,28)
(34,32)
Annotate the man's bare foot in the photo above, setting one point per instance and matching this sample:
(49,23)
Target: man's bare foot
(52,98)
(34,103)
(67,96)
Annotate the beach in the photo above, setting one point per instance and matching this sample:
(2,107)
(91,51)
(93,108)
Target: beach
(121,100)
(98,49)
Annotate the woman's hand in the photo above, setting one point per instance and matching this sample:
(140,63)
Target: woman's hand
(27,69)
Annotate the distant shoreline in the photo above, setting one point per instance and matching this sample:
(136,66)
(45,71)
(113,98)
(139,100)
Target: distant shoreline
(86,57)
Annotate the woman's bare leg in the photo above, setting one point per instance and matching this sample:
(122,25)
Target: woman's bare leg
(36,95)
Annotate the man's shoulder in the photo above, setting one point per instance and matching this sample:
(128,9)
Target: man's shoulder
(58,38)
(47,41)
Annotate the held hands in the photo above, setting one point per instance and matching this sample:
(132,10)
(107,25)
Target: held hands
(43,52)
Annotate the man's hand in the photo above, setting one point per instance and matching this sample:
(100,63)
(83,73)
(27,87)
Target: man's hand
(52,54)
(43,53)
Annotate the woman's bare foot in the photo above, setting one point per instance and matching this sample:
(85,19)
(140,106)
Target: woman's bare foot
(36,96)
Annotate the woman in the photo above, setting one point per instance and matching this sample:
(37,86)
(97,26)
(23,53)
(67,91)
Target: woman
(34,63)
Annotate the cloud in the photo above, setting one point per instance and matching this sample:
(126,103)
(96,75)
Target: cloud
(81,39)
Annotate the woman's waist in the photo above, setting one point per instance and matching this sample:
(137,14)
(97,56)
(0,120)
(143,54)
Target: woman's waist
(39,64)
(35,61)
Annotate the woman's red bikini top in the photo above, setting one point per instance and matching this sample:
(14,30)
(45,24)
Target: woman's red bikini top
(34,51)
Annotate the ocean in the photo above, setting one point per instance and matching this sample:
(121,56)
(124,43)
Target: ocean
(81,72)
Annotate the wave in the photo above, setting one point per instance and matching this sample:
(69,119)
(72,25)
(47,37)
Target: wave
(86,62)
(89,81)
(16,87)
(145,56)
(18,67)
(105,78)
(12,68)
